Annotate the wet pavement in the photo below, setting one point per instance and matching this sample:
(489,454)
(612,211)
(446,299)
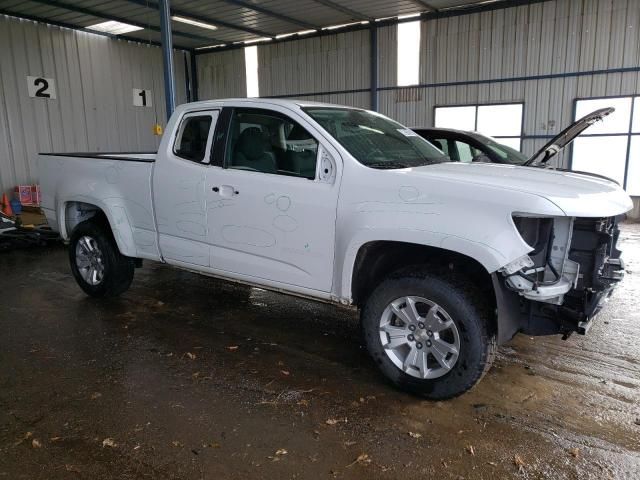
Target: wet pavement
(190,377)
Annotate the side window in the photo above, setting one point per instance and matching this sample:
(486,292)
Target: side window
(465,153)
(270,142)
(441,144)
(192,138)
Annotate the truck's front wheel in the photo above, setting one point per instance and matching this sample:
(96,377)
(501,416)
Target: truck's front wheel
(428,333)
(97,264)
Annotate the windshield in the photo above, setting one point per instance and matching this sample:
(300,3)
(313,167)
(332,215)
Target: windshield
(506,153)
(374,140)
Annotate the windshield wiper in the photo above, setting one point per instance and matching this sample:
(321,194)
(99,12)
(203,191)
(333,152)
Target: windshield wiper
(387,165)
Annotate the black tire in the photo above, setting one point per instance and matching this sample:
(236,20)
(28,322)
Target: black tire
(470,314)
(118,269)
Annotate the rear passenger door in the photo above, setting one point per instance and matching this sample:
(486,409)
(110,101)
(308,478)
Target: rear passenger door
(179,190)
(272,198)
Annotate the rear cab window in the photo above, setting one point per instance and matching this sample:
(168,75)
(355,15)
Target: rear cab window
(195,136)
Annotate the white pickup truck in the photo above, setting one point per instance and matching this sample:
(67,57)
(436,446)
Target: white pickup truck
(444,260)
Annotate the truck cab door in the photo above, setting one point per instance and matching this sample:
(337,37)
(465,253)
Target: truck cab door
(272,198)
(179,181)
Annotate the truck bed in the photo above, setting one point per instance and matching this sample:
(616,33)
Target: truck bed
(74,185)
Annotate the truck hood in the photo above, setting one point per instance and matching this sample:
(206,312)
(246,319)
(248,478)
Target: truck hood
(575,194)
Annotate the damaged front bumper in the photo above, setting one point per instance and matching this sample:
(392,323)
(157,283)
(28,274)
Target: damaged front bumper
(563,283)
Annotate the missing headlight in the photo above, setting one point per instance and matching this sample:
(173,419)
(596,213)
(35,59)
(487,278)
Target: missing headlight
(534,231)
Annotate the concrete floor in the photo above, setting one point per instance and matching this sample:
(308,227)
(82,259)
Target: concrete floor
(190,377)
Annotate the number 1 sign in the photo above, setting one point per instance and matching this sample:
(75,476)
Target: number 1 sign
(142,98)
(40,87)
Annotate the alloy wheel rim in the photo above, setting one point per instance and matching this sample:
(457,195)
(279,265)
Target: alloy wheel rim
(89,260)
(419,337)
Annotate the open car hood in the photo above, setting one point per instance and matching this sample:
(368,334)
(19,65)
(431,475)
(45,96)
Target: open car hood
(564,138)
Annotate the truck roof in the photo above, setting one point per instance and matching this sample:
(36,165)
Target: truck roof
(267,101)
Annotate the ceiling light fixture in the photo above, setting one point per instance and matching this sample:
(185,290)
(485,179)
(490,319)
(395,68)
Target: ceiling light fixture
(219,45)
(113,27)
(195,23)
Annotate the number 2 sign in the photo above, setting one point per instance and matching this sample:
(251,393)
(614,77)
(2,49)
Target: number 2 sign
(40,87)
(142,98)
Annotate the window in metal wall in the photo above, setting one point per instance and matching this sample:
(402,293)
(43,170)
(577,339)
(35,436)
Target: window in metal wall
(251,69)
(611,147)
(408,67)
(500,121)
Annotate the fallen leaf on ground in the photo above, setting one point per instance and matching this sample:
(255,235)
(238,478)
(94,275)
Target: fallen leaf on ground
(176,443)
(469,448)
(303,403)
(281,451)
(363,459)
(575,452)
(415,435)
(191,356)
(25,437)
(109,442)
(71,468)
(493,464)
(55,439)
(284,372)
(232,347)
(35,443)
(518,462)
(334,421)
(349,443)
(95,395)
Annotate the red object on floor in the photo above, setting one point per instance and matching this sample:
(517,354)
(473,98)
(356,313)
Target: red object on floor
(6,206)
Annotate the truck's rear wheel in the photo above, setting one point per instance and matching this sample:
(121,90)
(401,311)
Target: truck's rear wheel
(97,264)
(428,334)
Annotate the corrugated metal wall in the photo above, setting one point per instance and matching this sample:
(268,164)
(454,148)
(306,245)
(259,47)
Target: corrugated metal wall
(295,69)
(221,75)
(94,108)
(554,37)
(322,64)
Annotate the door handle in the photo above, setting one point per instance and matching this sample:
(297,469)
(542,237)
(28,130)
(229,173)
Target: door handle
(226,190)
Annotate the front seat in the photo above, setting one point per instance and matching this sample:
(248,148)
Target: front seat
(250,152)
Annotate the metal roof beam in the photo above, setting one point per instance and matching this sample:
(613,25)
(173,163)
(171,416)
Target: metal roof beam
(347,11)
(271,13)
(183,13)
(427,5)
(106,16)
(82,29)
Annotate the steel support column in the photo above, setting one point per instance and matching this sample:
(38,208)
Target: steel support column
(373,40)
(194,77)
(167,56)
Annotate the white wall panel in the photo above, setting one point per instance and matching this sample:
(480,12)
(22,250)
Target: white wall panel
(93,111)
